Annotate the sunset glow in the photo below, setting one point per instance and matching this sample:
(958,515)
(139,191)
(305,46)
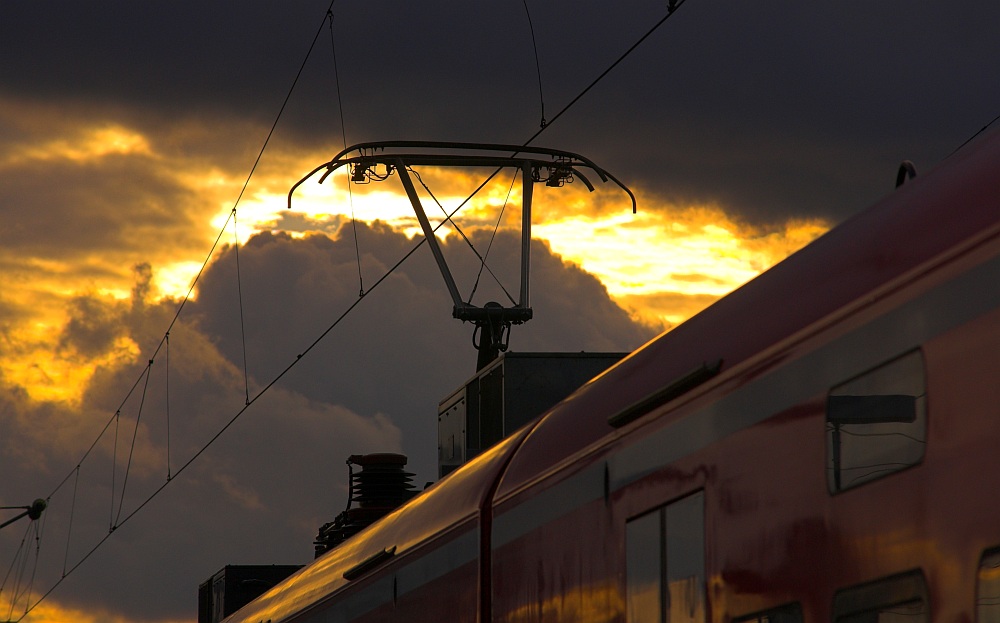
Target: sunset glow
(86,298)
(694,252)
(688,251)
(87,145)
(166,318)
(47,375)
(662,264)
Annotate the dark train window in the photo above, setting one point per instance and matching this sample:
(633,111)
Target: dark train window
(988,588)
(896,599)
(876,423)
(644,567)
(665,563)
(791,613)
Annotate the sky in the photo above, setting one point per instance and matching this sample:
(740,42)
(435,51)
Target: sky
(128,131)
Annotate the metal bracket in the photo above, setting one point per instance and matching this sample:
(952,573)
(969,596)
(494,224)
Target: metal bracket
(537,164)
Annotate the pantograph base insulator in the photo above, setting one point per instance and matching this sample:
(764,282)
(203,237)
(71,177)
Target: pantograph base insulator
(492,333)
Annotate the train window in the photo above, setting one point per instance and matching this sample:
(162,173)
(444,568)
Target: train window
(876,423)
(665,563)
(988,588)
(790,613)
(644,567)
(897,599)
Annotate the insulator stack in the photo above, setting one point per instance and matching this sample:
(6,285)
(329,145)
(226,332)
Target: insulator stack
(377,488)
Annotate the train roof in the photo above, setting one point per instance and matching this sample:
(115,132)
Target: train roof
(918,222)
(923,218)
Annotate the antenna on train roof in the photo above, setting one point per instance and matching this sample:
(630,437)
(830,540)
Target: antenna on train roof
(537,164)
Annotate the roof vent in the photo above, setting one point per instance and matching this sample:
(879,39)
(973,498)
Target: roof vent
(378,488)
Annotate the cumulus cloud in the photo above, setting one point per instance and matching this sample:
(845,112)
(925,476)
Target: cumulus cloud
(261,491)
(303,285)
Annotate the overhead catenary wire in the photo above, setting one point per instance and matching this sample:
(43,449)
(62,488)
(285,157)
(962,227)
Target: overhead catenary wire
(538,67)
(13,563)
(493,236)
(72,512)
(239,295)
(225,427)
(131,451)
(240,412)
(969,140)
(166,382)
(343,134)
(448,219)
(114,469)
(120,521)
(211,253)
(671,8)
(39,526)
(21,589)
(116,522)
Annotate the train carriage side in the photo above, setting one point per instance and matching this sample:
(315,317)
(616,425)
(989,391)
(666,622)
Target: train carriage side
(841,466)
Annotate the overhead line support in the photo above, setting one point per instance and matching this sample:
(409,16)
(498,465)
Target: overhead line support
(376,161)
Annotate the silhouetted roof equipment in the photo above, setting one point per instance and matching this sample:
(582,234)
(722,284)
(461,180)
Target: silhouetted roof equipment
(378,488)
(507,394)
(234,586)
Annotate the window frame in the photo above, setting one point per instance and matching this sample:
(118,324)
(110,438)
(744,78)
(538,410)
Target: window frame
(871,598)
(871,385)
(667,542)
(993,555)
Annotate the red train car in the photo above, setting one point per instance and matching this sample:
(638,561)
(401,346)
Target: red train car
(823,444)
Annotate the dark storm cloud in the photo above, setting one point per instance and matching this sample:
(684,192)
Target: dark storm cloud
(796,109)
(775,111)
